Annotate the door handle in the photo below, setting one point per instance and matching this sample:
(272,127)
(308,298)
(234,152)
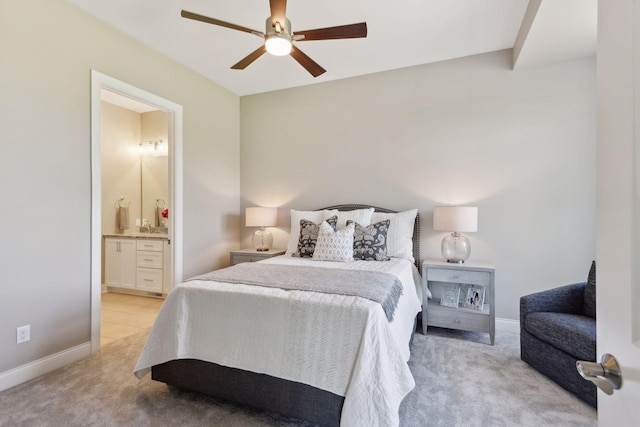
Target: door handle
(605,375)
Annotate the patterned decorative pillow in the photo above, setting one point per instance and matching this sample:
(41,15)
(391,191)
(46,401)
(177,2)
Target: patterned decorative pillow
(334,245)
(370,242)
(296,216)
(309,235)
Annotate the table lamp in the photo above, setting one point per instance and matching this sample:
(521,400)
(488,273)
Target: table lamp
(455,247)
(262,217)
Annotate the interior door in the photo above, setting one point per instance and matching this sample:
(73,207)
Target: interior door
(618,205)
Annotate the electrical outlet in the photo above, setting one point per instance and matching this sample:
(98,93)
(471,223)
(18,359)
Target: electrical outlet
(24,334)
(137,222)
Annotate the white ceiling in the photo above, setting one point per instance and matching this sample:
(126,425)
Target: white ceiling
(401,33)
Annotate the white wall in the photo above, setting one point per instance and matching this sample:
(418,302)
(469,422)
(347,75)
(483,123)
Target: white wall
(520,145)
(45,166)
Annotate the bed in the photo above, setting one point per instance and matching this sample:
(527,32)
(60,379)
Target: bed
(331,359)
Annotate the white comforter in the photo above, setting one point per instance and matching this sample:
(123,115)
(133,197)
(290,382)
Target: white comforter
(342,344)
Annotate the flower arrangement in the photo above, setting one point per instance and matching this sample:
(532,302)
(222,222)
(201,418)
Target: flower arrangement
(165,213)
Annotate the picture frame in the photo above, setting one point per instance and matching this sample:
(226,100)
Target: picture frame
(450,295)
(475,297)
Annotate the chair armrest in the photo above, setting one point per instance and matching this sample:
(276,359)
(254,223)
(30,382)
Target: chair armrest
(565,299)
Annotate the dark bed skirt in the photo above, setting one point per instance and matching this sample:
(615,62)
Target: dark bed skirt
(289,398)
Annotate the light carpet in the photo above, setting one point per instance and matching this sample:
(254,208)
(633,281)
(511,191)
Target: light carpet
(460,381)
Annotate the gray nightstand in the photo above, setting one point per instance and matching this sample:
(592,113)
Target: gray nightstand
(438,273)
(252,255)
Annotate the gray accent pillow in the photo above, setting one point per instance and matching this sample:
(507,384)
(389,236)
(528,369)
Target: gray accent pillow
(589,301)
(370,242)
(309,236)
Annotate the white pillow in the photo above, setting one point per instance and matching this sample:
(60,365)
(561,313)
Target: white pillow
(334,245)
(361,216)
(296,216)
(400,234)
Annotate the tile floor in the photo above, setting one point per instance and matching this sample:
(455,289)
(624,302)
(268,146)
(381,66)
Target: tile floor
(123,315)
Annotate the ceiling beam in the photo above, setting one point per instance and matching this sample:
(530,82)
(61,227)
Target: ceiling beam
(527,22)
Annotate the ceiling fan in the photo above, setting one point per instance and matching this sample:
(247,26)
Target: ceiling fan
(278,38)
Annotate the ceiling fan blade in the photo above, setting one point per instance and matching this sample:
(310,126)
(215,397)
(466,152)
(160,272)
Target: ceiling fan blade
(278,11)
(206,19)
(309,64)
(351,31)
(247,60)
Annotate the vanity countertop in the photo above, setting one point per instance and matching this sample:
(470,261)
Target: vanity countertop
(156,236)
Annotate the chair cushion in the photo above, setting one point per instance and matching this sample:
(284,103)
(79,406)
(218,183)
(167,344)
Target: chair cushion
(589,302)
(572,333)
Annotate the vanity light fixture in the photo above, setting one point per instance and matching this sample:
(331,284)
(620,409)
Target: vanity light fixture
(455,247)
(156,148)
(261,217)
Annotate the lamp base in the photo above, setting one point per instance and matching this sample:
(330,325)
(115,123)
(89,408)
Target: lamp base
(456,248)
(262,240)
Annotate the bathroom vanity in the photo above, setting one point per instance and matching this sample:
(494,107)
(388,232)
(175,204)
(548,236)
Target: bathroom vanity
(137,263)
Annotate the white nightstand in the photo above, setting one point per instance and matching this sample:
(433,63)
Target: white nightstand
(436,274)
(252,255)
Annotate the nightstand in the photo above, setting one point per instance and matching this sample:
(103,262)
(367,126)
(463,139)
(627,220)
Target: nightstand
(437,274)
(252,255)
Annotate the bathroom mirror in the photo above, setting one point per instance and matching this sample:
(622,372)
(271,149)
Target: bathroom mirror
(154,186)
(154,168)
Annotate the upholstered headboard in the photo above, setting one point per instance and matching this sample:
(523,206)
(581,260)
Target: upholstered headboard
(416,226)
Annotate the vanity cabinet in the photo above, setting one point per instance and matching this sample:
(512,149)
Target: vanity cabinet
(136,263)
(120,263)
(150,262)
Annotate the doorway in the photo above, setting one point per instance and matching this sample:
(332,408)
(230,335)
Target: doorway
(99,84)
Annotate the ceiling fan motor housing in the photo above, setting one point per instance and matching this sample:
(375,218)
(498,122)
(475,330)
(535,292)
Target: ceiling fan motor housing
(278,38)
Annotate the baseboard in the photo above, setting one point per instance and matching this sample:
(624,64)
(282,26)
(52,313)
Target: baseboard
(42,366)
(135,292)
(507,325)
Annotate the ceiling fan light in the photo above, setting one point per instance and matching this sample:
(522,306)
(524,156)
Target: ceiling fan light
(278,46)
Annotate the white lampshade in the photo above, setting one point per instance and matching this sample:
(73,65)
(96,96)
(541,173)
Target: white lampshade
(261,217)
(455,247)
(455,218)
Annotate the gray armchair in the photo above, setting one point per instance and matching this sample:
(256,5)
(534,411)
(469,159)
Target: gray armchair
(558,328)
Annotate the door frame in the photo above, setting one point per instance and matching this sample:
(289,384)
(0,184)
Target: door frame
(101,81)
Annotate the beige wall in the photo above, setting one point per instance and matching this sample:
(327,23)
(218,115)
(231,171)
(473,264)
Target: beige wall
(520,145)
(45,166)
(120,163)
